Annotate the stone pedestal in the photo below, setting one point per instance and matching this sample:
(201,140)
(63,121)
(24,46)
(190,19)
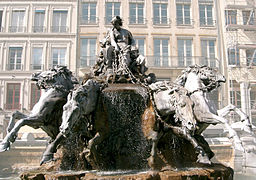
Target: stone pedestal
(123,123)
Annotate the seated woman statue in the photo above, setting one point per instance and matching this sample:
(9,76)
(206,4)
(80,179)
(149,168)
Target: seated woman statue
(118,42)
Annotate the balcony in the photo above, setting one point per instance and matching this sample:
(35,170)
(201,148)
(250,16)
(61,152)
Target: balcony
(14,67)
(38,29)
(137,21)
(239,4)
(164,21)
(180,62)
(247,26)
(15,106)
(207,22)
(85,20)
(183,22)
(87,61)
(36,66)
(59,29)
(14,29)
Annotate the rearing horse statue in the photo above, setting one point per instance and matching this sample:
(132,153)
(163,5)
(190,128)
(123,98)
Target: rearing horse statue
(199,80)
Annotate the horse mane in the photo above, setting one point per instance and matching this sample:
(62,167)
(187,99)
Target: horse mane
(181,79)
(51,80)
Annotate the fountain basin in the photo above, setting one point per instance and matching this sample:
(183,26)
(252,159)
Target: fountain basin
(215,171)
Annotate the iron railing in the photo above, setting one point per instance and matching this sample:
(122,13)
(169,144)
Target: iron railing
(59,29)
(14,29)
(87,61)
(161,21)
(137,21)
(207,22)
(36,66)
(162,61)
(13,106)
(38,29)
(14,66)
(180,62)
(86,20)
(184,22)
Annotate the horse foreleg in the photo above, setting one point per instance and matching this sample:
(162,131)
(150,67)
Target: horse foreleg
(155,136)
(246,124)
(91,151)
(232,133)
(48,155)
(11,136)
(202,157)
(16,115)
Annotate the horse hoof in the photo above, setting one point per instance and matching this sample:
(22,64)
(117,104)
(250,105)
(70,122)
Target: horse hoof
(46,159)
(203,159)
(4,146)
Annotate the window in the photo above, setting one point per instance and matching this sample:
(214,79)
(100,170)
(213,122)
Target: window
(88,52)
(235,95)
(39,21)
(251,57)
(15,55)
(137,13)
(37,53)
(141,45)
(231,17)
(248,17)
(88,13)
(233,56)
(1,17)
(160,13)
(253,103)
(59,23)
(13,96)
(161,52)
(184,52)
(183,14)
(17,23)
(213,96)
(112,10)
(208,53)
(35,95)
(206,17)
(58,56)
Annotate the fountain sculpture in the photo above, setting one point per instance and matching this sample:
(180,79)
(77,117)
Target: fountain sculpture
(119,118)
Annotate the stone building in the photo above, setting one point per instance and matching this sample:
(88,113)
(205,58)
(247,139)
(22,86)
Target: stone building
(237,24)
(34,36)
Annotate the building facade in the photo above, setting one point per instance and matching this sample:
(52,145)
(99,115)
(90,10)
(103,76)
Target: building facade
(238,26)
(34,36)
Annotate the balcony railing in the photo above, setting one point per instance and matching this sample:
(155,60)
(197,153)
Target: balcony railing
(240,23)
(87,61)
(180,62)
(207,22)
(14,29)
(54,65)
(59,29)
(85,20)
(38,29)
(36,66)
(15,106)
(137,21)
(184,22)
(17,66)
(162,61)
(108,20)
(164,21)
